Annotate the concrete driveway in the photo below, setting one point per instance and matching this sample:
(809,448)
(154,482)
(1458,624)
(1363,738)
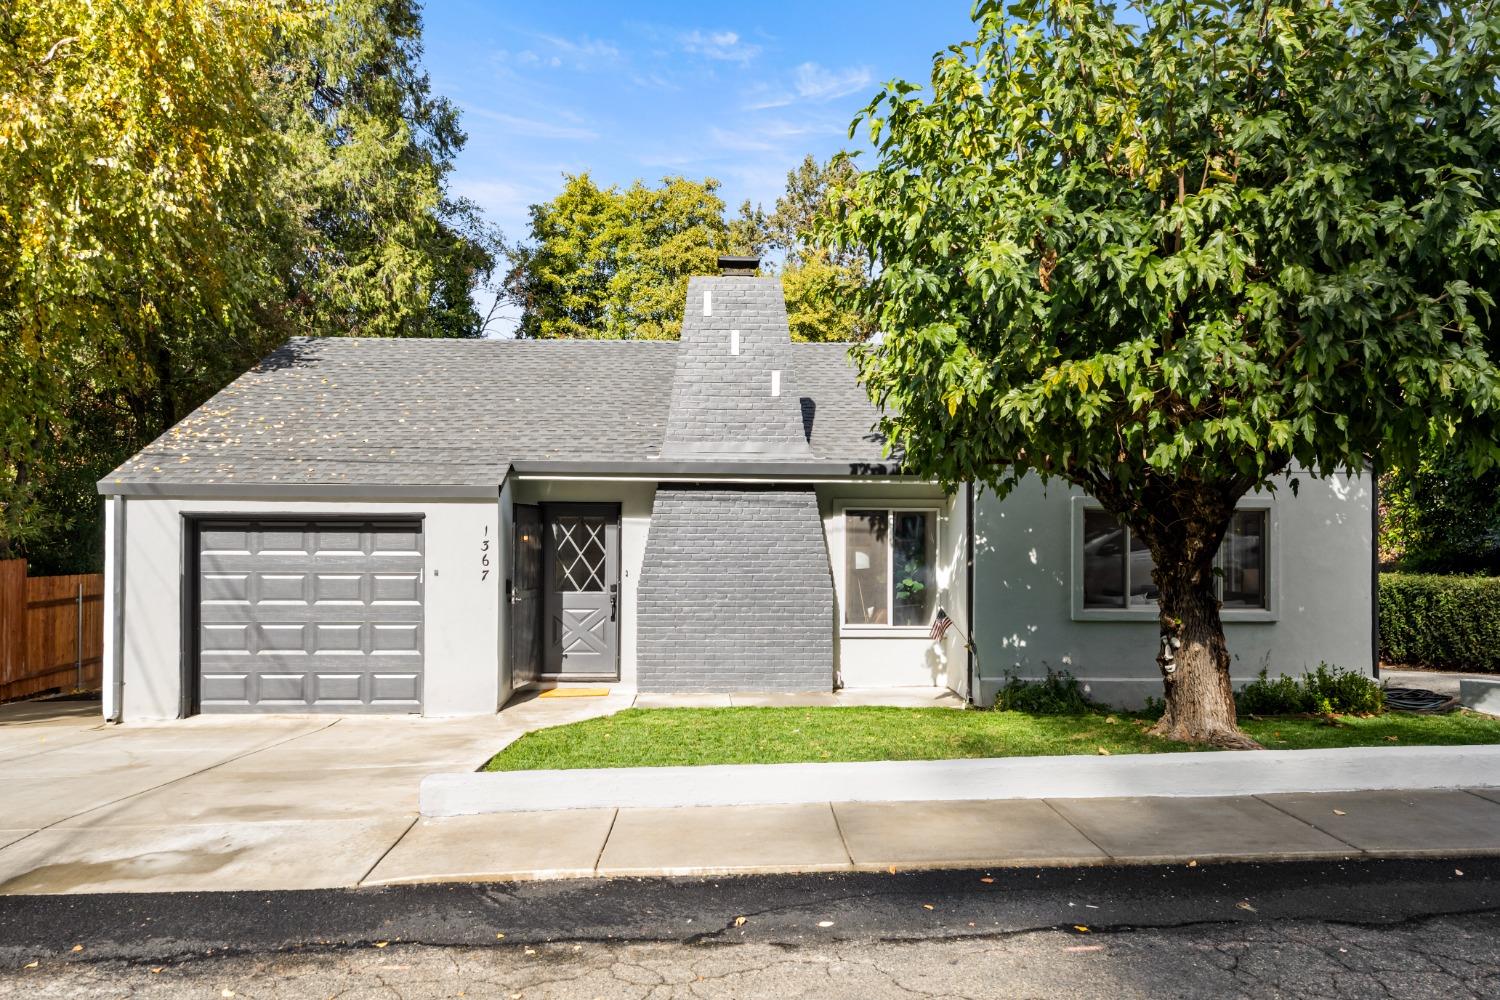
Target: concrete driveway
(225,802)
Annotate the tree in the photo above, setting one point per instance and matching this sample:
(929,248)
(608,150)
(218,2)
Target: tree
(821,282)
(184,184)
(1168,263)
(613,264)
(1439,517)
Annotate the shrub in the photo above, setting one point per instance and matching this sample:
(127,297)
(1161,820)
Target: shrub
(1058,694)
(1447,622)
(1322,691)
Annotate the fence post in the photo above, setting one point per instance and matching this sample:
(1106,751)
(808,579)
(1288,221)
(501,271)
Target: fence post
(12,621)
(78,641)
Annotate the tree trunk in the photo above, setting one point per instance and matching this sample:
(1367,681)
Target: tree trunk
(1194,660)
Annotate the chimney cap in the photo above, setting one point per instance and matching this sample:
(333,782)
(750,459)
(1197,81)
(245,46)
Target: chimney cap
(731,265)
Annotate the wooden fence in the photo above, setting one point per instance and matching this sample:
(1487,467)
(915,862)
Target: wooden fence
(51,631)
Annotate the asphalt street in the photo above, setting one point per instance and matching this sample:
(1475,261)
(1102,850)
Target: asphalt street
(1359,929)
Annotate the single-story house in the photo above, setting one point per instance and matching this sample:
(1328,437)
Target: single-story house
(429,526)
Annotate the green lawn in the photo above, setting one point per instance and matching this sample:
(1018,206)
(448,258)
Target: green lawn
(663,737)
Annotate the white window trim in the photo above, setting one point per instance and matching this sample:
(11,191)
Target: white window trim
(1270,613)
(840,509)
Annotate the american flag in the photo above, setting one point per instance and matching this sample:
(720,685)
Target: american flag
(940,625)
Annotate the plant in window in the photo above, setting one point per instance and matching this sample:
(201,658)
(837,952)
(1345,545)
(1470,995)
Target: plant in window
(1168,261)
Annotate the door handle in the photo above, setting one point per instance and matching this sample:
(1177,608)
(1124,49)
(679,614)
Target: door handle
(614,600)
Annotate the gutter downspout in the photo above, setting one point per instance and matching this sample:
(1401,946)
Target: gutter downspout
(115,660)
(1375,569)
(969,587)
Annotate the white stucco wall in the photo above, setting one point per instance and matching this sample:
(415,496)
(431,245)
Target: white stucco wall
(634,498)
(1320,558)
(884,657)
(461,674)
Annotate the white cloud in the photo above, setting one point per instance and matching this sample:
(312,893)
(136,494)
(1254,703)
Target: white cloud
(555,52)
(723,45)
(535,128)
(814,83)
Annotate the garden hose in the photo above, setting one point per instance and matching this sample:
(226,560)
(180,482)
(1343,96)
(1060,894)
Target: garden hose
(1401,699)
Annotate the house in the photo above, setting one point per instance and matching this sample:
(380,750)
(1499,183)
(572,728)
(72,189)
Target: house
(428,526)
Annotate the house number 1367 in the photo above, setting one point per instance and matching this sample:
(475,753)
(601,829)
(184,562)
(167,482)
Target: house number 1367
(484,555)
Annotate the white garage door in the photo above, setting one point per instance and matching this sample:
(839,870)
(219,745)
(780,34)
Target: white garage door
(310,616)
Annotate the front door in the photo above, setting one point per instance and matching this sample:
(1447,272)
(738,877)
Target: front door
(582,572)
(526,595)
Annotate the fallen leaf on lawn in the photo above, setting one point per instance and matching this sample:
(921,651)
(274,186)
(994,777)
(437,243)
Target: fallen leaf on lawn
(1393,739)
(987,880)
(156,969)
(1339,812)
(1080,928)
(31,965)
(499,937)
(78,947)
(1103,752)
(1110,720)
(1246,906)
(825,923)
(1076,948)
(926,906)
(739,921)
(381,944)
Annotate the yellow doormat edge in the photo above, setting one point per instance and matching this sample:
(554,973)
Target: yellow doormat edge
(574,693)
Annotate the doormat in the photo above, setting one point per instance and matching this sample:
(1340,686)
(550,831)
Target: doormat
(574,693)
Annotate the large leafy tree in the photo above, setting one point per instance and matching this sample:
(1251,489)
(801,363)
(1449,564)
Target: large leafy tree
(184,183)
(613,263)
(1170,261)
(821,281)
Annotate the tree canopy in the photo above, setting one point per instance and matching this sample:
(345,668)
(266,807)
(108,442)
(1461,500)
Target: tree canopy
(1169,261)
(614,262)
(184,184)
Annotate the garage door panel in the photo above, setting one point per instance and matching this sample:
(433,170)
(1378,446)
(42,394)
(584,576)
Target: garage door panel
(395,588)
(338,588)
(310,616)
(396,688)
(343,688)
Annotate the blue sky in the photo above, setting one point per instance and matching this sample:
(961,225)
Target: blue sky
(738,92)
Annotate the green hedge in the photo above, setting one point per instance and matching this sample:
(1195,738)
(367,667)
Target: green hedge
(1447,622)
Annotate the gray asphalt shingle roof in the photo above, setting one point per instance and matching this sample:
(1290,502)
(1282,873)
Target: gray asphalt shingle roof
(352,411)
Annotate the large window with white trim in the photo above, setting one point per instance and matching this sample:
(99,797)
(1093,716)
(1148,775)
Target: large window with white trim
(1116,565)
(890,567)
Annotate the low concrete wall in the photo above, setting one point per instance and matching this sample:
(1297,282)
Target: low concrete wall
(1178,775)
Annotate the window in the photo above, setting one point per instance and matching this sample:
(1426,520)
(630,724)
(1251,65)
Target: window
(889,567)
(1117,566)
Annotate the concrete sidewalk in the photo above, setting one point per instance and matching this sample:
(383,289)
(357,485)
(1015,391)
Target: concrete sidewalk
(864,836)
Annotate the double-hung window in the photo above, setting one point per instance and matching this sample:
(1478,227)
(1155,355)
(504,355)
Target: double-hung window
(1113,567)
(890,567)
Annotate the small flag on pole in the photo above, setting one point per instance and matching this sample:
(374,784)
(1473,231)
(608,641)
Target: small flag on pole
(940,625)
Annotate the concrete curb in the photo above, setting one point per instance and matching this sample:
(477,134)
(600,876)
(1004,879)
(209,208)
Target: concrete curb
(1074,777)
